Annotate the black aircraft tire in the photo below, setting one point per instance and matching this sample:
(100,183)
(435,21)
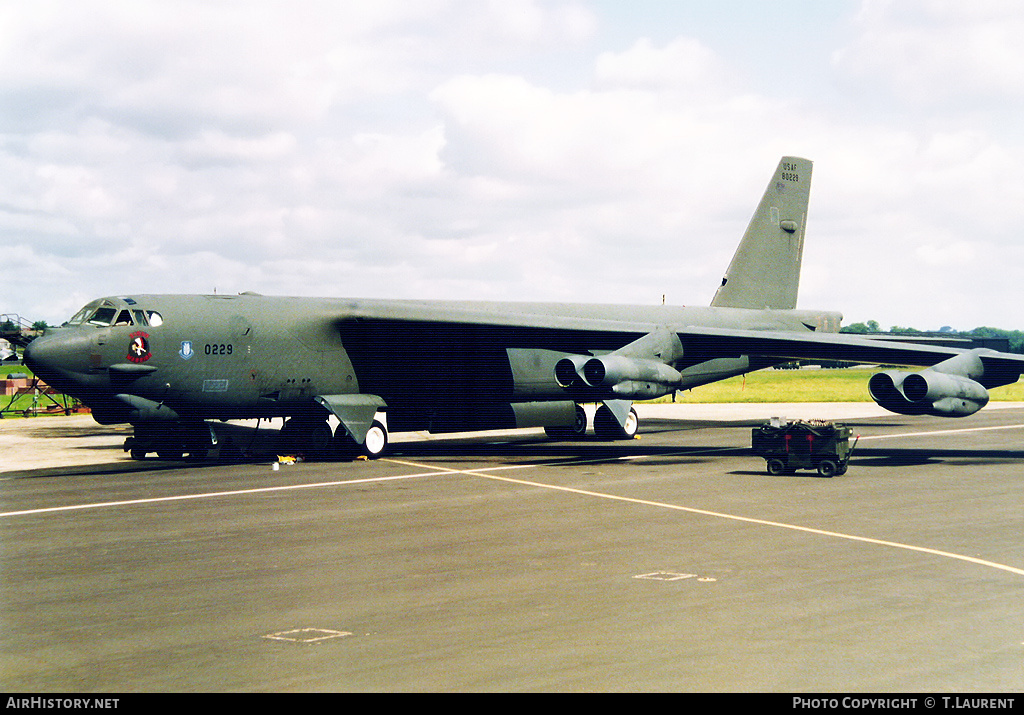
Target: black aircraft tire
(577,430)
(373,447)
(317,439)
(309,437)
(171,452)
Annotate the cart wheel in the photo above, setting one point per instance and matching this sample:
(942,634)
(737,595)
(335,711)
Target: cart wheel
(776,467)
(842,471)
(827,468)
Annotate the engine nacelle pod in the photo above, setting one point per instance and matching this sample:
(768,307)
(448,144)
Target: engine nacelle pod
(617,377)
(928,392)
(631,378)
(949,395)
(612,369)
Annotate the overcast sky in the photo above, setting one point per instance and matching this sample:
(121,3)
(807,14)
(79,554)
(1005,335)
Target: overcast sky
(558,150)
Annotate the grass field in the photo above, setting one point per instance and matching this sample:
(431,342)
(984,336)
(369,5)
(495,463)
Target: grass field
(15,406)
(807,385)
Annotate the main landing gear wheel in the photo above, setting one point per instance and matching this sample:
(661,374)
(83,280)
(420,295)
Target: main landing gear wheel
(376,442)
(310,437)
(170,450)
(171,439)
(576,430)
(607,427)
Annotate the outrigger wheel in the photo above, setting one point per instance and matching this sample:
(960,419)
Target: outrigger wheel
(374,445)
(607,427)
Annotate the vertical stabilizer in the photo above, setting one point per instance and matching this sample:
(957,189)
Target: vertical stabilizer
(765,270)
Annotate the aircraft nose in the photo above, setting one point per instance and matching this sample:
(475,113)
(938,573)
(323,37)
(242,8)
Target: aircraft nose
(39,353)
(51,352)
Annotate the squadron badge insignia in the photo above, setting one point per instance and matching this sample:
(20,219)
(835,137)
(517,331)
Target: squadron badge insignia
(138,350)
(186,350)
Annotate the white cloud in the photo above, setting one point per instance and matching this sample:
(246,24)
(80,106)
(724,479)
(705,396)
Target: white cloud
(216,146)
(463,149)
(684,63)
(930,52)
(954,255)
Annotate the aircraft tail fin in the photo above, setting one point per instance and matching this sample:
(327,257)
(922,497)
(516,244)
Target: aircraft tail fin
(765,270)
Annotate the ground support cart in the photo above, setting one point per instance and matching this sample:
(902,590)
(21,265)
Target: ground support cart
(789,445)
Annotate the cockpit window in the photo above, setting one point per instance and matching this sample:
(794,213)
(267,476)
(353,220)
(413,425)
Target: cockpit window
(103,316)
(103,313)
(81,315)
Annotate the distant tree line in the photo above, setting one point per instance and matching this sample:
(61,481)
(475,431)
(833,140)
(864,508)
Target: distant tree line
(9,326)
(1014,338)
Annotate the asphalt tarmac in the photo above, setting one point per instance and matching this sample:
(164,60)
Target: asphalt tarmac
(512,563)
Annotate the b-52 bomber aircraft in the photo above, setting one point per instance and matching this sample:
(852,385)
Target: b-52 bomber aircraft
(168,363)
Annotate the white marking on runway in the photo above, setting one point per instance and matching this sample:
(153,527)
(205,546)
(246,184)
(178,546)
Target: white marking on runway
(666,576)
(943,431)
(433,470)
(214,495)
(733,517)
(307,635)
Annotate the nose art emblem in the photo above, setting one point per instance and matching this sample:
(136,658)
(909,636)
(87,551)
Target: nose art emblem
(138,350)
